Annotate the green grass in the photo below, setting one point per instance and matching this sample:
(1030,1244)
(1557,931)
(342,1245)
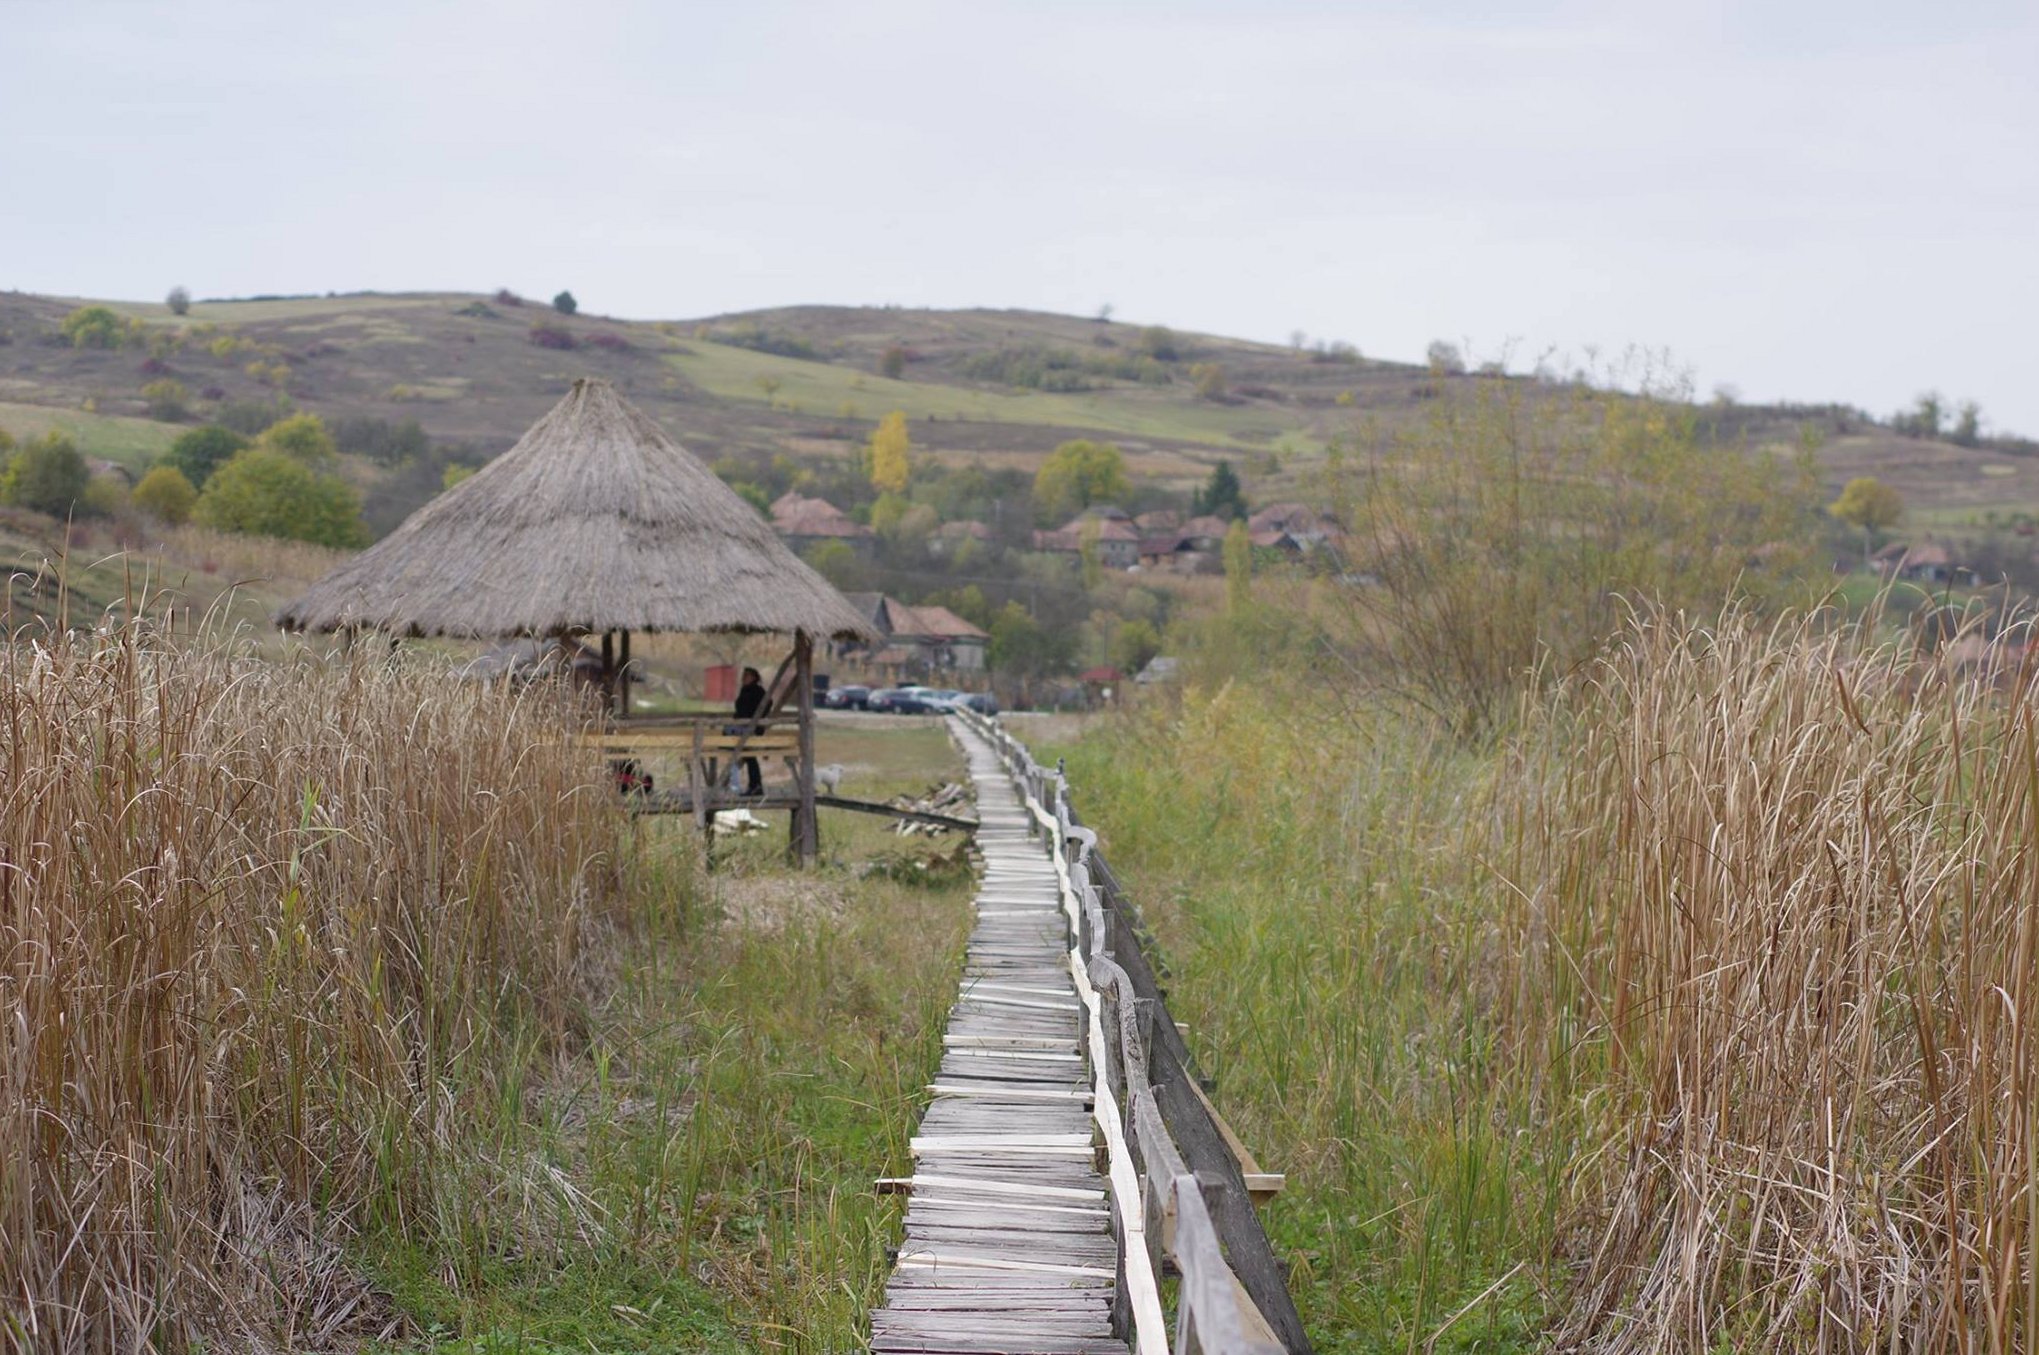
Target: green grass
(1323,953)
(130,441)
(827,389)
(757,1061)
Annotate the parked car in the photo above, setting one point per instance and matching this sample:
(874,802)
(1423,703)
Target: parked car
(984,703)
(851,697)
(945,698)
(902,701)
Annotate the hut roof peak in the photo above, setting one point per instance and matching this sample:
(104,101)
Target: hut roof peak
(596,520)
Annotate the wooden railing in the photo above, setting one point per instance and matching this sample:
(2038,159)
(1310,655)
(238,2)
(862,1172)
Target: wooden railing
(1182,1185)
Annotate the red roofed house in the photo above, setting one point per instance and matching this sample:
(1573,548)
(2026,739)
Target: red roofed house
(804,521)
(925,640)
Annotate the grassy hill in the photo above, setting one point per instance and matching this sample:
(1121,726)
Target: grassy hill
(807,382)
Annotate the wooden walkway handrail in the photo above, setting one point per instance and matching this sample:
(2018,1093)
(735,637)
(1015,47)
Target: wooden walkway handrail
(1194,1181)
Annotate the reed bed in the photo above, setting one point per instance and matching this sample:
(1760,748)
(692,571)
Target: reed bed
(1691,1013)
(273,938)
(1786,879)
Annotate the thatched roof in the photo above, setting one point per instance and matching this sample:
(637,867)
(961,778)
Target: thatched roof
(596,520)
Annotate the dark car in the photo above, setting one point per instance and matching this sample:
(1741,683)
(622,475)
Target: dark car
(984,703)
(901,701)
(847,698)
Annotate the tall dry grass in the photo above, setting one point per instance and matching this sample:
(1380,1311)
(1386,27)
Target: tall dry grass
(1787,881)
(272,938)
(1693,1012)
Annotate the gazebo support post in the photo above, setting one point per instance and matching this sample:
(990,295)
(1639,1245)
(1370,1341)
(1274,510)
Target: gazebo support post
(609,670)
(806,844)
(623,678)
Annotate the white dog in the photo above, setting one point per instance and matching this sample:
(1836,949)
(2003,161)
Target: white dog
(826,779)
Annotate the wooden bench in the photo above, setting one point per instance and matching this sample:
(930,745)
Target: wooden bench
(702,746)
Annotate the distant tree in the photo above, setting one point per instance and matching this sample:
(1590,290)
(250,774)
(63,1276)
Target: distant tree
(892,363)
(506,297)
(1104,313)
(1222,496)
(1023,648)
(565,304)
(105,496)
(166,400)
(197,454)
(454,474)
(164,493)
(1967,425)
(1297,339)
(1445,359)
(301,437)
(1238,569)
(1210,380)
(46,474)
(251,418)
(1078,474)
(1133,644)
(1868,503)
(1925,417)
(1090,554)
(379,440)
(838,562)
(1158,342)
(179,301)
(94,327)
(265,492)
(891,452)
(753,494)
(770,386)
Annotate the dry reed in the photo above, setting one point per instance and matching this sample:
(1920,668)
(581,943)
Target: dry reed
(269,935)
(1786,883)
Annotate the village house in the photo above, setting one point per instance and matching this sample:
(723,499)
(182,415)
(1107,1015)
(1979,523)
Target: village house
(918,641)
(804,522)
(1925,562)
(950,536)
(1118,540)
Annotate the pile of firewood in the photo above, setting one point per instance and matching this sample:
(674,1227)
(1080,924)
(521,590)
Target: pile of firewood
(949,797)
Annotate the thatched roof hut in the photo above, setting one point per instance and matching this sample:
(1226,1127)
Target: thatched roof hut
(595,521)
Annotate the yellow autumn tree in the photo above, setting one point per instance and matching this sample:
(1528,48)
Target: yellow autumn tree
(891,449)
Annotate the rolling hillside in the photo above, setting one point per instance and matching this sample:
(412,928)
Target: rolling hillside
(996,387)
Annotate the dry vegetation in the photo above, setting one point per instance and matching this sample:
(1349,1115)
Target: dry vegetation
(271,935)
(1692,1013)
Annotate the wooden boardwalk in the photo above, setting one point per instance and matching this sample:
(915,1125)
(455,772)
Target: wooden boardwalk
(1009,1244)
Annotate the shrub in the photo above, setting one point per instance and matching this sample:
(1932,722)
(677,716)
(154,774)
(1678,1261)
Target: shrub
(892,362)
(265,492)
(1444,359)
(197,454)
(164,493)
(47,475)
(749,334)
(165,399)
(379,440)
(477,310)
(303,438)
(609,343)
(506,297)
(1159,342)
(153,366)
(93,327)
(179,301)
(565,304)
(251,417)
(552,336)
(105,496)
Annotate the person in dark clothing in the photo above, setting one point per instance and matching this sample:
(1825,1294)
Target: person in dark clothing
(750,702)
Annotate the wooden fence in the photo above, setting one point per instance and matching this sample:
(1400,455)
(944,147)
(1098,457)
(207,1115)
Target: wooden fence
(1182,1186)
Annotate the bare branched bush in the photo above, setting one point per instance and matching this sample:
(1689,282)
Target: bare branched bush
(269,936)
(1511,533)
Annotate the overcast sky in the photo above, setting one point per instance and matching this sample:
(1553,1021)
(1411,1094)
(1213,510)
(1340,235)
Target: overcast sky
(1813,201)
